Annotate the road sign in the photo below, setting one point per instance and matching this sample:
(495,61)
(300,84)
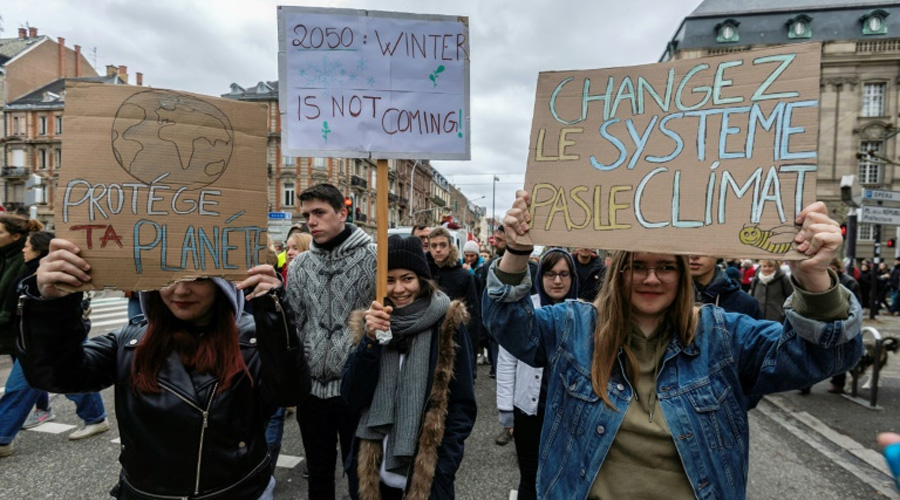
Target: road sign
(874,194)
(279,215)
(880,215)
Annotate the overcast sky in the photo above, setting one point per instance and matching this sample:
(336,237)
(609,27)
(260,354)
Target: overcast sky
(204,46)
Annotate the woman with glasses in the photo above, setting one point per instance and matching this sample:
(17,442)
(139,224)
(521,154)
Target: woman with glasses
(521,388)
(647,394)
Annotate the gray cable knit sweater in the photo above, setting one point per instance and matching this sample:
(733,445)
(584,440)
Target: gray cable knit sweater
(324,287)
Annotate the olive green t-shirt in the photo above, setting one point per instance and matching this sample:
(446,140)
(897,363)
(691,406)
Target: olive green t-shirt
(643,461)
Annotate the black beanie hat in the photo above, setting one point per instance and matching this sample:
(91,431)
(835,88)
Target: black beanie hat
(405,252)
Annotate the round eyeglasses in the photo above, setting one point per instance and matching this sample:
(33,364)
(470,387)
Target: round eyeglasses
(639,272)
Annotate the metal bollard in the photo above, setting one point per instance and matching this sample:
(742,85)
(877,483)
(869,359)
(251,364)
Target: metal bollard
(872,404)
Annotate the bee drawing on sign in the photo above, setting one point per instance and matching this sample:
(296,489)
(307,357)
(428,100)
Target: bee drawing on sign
(777,240)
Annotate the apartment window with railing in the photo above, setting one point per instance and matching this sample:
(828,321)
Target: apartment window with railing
(869,167)
(58,125)
(42,125)
(288,194)
(873,99)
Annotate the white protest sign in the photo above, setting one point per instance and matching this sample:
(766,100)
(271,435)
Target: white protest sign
(355,83)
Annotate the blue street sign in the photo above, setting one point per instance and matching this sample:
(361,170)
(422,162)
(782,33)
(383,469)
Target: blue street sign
(279,215)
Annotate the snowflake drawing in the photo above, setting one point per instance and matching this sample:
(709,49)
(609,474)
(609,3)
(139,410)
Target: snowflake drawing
(327,74)
(362,65)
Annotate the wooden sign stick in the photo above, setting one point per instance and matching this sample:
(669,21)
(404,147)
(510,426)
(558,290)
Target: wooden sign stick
(381,236)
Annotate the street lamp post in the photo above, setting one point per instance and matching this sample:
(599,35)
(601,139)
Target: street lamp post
(494,203)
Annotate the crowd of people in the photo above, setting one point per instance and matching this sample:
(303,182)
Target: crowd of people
(609,366)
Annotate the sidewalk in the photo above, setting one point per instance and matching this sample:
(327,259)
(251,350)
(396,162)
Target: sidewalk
(841,415)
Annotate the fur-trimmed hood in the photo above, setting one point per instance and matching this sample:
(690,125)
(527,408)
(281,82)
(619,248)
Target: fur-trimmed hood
(424,468)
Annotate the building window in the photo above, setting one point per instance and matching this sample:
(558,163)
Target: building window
(290,161)
(288,194)
(58,158)
(42,159)
(59,125)
(799,27)
(319,163)
(18,158)
(727,31)
(874,23)
(865,232)
(873,99)
(15,126)
(869,169)
(42,130)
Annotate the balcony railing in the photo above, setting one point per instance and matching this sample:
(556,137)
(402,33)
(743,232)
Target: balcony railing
(358,182)
(437,200)
(361,217)
(15,172)
(392,198)
(404,202)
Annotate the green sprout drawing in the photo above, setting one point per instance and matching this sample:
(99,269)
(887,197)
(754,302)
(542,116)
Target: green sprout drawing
(325,131)
(434,75)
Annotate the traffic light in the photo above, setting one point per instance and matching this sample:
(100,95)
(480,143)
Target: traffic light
(844,231)
(348,203)
(892,242)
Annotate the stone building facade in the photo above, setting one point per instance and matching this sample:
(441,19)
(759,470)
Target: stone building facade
(860,83)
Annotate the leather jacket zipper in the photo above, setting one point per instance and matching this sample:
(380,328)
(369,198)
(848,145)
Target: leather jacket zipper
(211,495)
(19,308)
(205,414)
(287,332)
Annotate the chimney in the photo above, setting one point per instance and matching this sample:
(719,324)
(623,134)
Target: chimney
(111,70)
(77,61)
(32,32)
(62,56)
(123,73)
(23,33)
(140,78)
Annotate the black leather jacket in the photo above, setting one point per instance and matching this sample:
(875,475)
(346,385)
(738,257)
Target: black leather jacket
(186,441)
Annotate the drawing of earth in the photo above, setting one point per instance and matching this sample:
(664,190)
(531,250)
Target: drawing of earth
(160,132)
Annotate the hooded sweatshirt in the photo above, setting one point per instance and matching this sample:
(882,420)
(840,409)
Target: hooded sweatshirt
(325,285)
(726,293)
(519,384)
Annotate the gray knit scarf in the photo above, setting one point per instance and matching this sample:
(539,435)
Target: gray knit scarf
(399,399)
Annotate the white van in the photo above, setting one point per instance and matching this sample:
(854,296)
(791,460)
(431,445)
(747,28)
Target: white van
(458,235)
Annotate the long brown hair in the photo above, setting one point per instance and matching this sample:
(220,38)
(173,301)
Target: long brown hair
(216,351)
(614,318)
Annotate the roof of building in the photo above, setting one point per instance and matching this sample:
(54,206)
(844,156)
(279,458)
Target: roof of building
(766,22)
(737,7)
(260,91)
(11,47)
(55,91)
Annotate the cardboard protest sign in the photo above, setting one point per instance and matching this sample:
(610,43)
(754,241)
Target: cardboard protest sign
(712,156)
(162,185)
(366,84)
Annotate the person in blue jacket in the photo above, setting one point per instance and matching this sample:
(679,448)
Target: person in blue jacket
(648,394)
(410,377)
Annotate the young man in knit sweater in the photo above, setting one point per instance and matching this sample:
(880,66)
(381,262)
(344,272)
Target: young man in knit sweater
(335,277)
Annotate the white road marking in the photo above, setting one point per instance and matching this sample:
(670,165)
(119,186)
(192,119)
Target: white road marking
(52,428)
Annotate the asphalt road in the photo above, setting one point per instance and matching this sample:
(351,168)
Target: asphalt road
(783,463)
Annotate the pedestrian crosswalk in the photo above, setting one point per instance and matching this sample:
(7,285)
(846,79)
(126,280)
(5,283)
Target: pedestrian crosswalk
(108,314)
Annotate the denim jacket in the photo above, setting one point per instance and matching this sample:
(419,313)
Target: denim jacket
(705,389)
